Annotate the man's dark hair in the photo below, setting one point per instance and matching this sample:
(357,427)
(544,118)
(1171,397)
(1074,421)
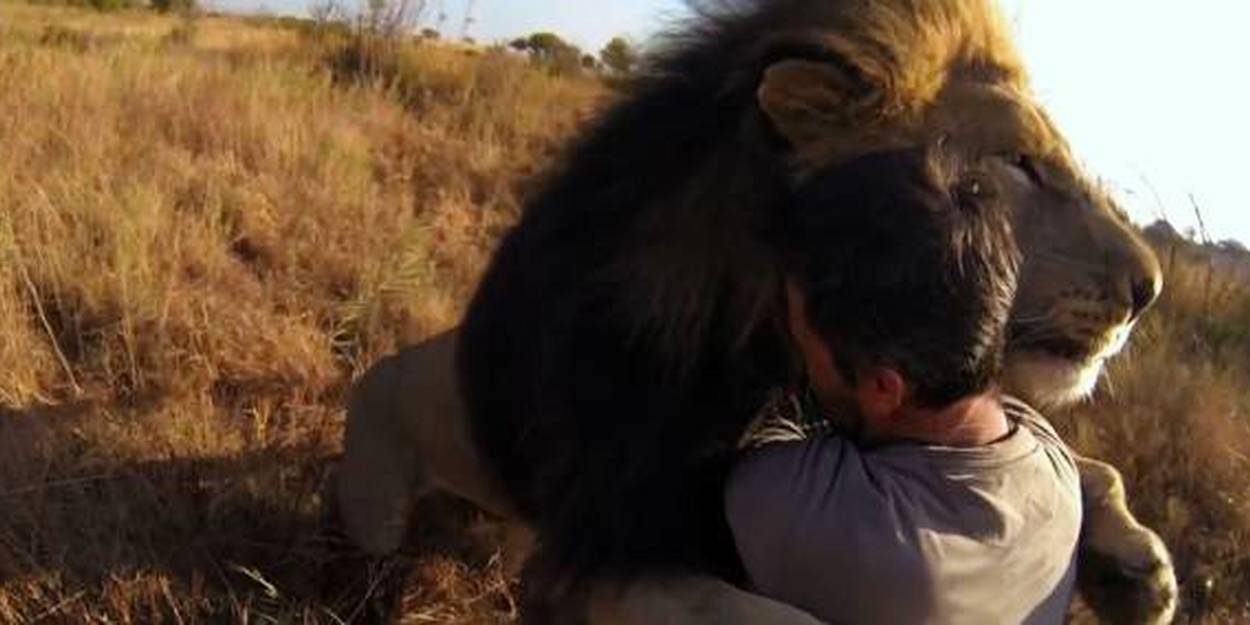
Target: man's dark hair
(907,260)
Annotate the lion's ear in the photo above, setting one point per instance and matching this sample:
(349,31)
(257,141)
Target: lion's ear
(806,99)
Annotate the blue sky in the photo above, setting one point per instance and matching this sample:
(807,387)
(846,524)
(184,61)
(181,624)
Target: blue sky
(1150,93)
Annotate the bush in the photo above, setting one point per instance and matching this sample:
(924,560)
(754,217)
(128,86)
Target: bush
(184,33)
(619,56)
(173,6)
(558,56)
(111,5)
(65,37)
(99,5)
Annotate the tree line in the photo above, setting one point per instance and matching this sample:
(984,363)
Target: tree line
(618,57)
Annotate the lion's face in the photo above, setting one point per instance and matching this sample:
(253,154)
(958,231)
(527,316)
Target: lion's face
(1086,276)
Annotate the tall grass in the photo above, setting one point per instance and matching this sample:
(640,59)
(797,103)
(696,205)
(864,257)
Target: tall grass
(1174,416)
(205,232)
(207,229)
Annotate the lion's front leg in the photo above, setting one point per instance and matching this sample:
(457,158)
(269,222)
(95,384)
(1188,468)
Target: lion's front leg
(1125,571)
(687,600)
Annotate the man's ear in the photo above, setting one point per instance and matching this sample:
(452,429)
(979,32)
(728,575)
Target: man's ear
(806,100)
(881,392)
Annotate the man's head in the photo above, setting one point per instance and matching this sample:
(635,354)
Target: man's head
(911,311)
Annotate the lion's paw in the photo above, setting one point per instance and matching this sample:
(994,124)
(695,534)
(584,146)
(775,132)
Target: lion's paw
(1128,579)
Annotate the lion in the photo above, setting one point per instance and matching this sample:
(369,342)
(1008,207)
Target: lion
(629,326)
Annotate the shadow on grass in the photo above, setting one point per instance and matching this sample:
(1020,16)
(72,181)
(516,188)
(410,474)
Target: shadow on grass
(238,537)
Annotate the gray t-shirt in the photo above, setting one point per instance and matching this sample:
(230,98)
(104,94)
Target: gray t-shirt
(911,533)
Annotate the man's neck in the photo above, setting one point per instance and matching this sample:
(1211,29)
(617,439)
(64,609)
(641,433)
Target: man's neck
(972,422)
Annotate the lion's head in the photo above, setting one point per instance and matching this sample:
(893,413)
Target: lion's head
(942,74)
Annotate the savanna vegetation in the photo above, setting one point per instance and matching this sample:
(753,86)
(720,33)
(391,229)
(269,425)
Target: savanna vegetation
(209,226)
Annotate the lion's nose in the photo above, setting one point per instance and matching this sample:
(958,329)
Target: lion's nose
(1145,290)
(1140,277)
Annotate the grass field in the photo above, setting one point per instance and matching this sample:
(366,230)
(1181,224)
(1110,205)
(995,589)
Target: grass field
(209,226)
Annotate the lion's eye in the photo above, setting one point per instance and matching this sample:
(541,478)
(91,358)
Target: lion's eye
(970,192)
(1025,165)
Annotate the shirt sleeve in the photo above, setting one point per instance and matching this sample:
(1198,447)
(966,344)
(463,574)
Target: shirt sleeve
(768,496)
(1061,456)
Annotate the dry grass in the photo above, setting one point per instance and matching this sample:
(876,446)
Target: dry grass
(207,229)
(1174,416)
(203,237)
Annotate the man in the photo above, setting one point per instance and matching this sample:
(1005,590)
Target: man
(935,499)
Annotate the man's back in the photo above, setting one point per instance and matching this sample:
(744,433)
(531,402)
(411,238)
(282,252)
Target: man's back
(911,533)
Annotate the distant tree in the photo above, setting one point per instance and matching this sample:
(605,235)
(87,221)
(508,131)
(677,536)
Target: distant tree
(109,5)
(619,56)
(550,50)
(174,6)
(546,45)
(430,33)
(590,62)
(1232,245)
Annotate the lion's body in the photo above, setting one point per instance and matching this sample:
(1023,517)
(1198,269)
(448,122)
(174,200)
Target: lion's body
(630,324)
(407,435)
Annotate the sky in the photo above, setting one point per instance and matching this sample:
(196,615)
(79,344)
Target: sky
(1146,91)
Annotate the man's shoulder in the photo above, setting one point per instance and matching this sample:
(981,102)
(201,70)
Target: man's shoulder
(1050,444)
(1031,419)
(785,465)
